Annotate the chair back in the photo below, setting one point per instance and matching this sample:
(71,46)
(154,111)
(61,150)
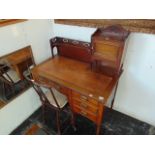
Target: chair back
(3,75)
(38,88)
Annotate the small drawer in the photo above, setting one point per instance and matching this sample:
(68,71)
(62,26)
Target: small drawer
(87,106)
(58,87)
(52,84)
(42,80)
(39,80)
(83,98)
(85,113)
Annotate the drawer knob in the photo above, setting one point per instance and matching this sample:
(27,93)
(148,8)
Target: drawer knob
(101,98)
(90,95)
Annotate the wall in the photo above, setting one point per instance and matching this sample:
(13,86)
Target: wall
(136,91)
(37,34)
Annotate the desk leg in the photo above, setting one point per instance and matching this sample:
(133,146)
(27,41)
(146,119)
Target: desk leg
(100,117)
(73,121)
(98,129)
(73,115)
(112,103)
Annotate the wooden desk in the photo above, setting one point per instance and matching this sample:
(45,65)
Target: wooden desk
(87,91)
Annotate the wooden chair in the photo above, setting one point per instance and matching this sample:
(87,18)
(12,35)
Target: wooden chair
(9,74)
(9,80)
(51,98)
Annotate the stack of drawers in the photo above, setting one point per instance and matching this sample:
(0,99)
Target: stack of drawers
(85,106)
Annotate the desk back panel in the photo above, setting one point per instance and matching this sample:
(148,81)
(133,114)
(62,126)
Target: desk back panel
(73,49)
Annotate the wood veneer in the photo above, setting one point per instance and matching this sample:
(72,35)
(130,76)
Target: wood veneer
(108,48)
(73,49)
(6,22)
(87,91)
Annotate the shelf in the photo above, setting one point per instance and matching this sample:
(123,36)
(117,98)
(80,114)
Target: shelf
(6,22)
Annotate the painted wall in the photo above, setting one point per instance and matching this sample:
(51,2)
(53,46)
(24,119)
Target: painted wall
(37,34)
(136,91)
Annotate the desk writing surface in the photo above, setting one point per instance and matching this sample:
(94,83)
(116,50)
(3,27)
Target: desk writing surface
(73,74)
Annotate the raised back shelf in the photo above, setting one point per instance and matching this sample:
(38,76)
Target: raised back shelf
(108,45)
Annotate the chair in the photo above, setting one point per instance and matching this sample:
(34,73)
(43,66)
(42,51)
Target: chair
(51,98)
(9,79)
(9,74)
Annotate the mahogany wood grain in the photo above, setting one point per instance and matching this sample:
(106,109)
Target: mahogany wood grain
(108,47)
(87,91)
(6,22)
(73,49)
(74,74)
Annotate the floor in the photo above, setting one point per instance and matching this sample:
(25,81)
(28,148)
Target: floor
(114,123)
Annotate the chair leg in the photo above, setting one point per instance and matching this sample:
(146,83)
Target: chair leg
(43,114)
(4,92)
(58,122)
(13,90)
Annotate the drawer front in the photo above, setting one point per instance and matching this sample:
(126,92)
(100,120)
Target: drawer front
(86,106)
(82,98)
(108,52)
(43,81)
(58,87)
(85,113)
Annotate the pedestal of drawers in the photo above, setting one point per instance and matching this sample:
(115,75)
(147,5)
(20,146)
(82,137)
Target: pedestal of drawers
(87,107)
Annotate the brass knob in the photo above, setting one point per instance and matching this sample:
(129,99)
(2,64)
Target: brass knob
(101,98)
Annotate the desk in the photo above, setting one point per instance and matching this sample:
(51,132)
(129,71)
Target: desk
(87,91)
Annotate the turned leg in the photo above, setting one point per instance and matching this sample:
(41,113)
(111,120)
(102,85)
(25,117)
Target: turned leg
(58,121)
(43,113)
(112,103)
(73,120)
(98,129)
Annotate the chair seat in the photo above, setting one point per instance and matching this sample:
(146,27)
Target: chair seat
(61,99)
(13,75)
